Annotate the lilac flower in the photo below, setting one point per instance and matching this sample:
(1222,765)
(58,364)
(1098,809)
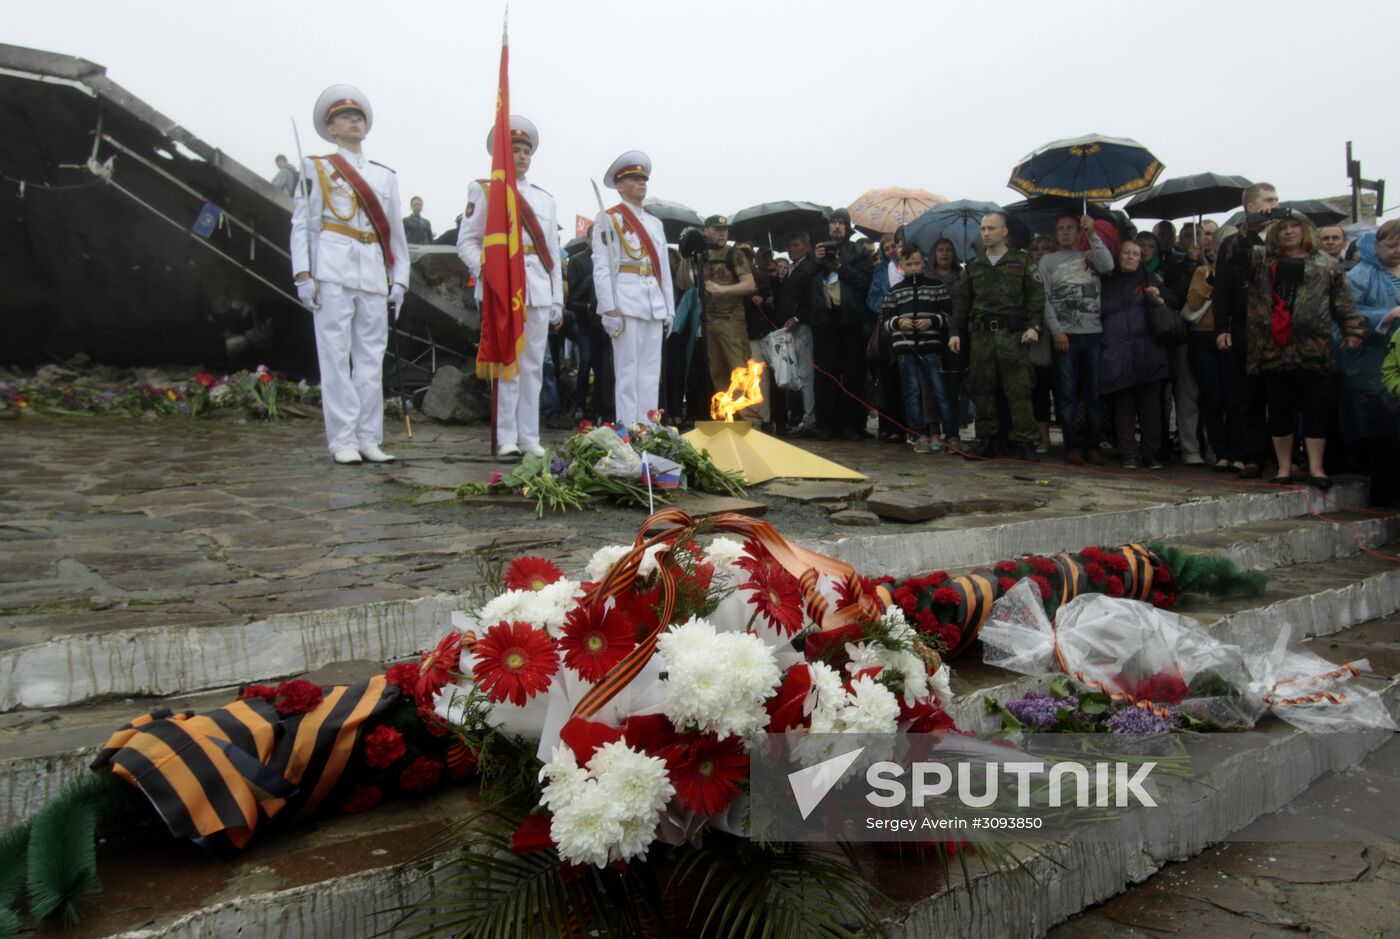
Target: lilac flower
(1139,721)
(558,466)
(1036,709)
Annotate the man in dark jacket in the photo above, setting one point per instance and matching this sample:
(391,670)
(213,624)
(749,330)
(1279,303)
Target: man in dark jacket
(1243,394)
(795,313)
(594,348)
(841,326)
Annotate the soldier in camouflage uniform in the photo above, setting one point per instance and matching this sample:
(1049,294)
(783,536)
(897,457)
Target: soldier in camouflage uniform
(998,305)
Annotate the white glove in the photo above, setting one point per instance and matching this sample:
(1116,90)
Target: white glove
(396,296)
(556,316)
(612,324)
(667,326)
(306,293)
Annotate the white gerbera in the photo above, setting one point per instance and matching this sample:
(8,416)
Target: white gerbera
(872,708)
(913,674)
(603,559)
(588,827)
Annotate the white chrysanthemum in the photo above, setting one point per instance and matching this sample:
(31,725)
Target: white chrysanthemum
(508,607)
(898,632)
(913,673)
(865,655)
(872,708)
(551,604)
(564,779)
(752,668)
(717,682)
(825,698)
(940,683)
(693,637)
(603,559)
(723,553)
(588,827)
(637,835)
(650,564)
(637,781)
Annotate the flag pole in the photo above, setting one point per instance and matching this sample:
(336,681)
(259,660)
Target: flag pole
(496,381)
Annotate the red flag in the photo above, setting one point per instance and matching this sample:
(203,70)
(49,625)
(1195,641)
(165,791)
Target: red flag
(581,225)
(502,254)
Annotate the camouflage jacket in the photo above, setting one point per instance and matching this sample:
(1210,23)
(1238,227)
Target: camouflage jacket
(1324,298)
(1011,289)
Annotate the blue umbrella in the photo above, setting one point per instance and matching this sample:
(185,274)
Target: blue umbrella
(961,223)
(1097,168)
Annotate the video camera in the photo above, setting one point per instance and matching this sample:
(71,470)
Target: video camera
(1255,219)
(693,243)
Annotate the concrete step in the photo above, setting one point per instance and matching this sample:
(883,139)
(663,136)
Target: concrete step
(1267,529)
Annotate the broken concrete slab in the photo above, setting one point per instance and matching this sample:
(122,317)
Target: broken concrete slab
(701,504)
(909,505)
(816,490)
(854,517)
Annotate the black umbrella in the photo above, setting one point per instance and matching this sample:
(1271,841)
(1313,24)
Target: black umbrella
(769,224)
(961,223)
(1185,196)
(1039,215)
(575,245)
(1315,210)
(675,218)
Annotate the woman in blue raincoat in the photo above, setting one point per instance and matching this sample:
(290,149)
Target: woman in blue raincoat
(1370,418)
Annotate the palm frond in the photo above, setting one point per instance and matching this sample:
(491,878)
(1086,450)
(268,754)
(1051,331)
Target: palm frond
(62,856)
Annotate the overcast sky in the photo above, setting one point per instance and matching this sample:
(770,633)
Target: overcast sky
(744,102)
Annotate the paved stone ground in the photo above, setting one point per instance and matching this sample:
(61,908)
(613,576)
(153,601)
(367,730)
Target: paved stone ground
(1264,890)
(110,524)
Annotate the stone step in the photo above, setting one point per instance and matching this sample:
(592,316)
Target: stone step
(331,878)
(173,660)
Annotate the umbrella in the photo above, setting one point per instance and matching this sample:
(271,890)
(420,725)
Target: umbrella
(575,245)
(1098,168)
(675,218)
(1315,210)
(769,223)
(1184,196)
(1039,215)
(961,223)
(880,211)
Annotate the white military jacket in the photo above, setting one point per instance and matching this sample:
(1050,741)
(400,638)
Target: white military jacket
(542,287)
(338,257)
(619,283)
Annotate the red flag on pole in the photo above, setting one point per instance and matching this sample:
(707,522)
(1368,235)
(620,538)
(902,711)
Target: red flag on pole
(502,252)
(581,225)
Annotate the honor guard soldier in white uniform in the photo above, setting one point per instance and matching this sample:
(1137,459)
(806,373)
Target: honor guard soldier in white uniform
(349,256)
(632,277)
(518,400)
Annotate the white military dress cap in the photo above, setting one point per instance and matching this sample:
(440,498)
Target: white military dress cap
(521,129)
(631,163)
(338,98)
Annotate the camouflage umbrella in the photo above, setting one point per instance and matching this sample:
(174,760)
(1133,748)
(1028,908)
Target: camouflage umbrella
(880,211)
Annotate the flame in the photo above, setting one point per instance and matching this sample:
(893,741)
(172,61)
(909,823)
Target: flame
(745,390)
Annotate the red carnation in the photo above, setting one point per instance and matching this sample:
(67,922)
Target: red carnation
(1117,562)
(362,800)
(925,621)
(947,596)
(595,639)
(1095,572)
(1005,583)
(1114,588)
(706,772)
(949,636)
(421,775)
(1165,687)
(1005,567)
(438,667)
(515,662)
(905,599)
(533,834)
(384,746)
(1043,585)
(404,676)
(585,426)
(266,692)
(1159,599)
(206,380)
(531,573)
(1041,565)
(937,578)
(1091,553)
(776,594)
(297,697)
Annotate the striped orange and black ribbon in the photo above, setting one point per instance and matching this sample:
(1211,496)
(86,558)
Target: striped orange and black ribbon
(676,527)
(213,777)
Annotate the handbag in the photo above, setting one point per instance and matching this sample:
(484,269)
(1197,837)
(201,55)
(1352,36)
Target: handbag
(1192,317)
(1165,324)
(1040,351)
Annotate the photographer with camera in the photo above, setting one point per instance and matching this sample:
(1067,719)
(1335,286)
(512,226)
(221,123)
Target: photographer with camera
(726,278)
(1244,394)
(840,329)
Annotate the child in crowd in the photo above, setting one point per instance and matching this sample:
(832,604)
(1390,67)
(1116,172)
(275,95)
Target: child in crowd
(917,315)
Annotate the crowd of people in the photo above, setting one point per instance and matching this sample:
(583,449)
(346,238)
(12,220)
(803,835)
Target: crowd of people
(1258,351)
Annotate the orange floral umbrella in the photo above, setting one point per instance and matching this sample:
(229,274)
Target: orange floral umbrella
(880,211)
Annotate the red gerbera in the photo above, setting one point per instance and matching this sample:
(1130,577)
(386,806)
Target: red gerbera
(1114,588)
(404,676)
(297,697)
(640,606)
(756,558)
(515,662)
(361,800)
(845,596)
(1043,585)
(595,639)
(438,667)
(776,594)
(1005,567)
(384,746)
(947,596)
(706,772)
(531,573)
(421,775)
